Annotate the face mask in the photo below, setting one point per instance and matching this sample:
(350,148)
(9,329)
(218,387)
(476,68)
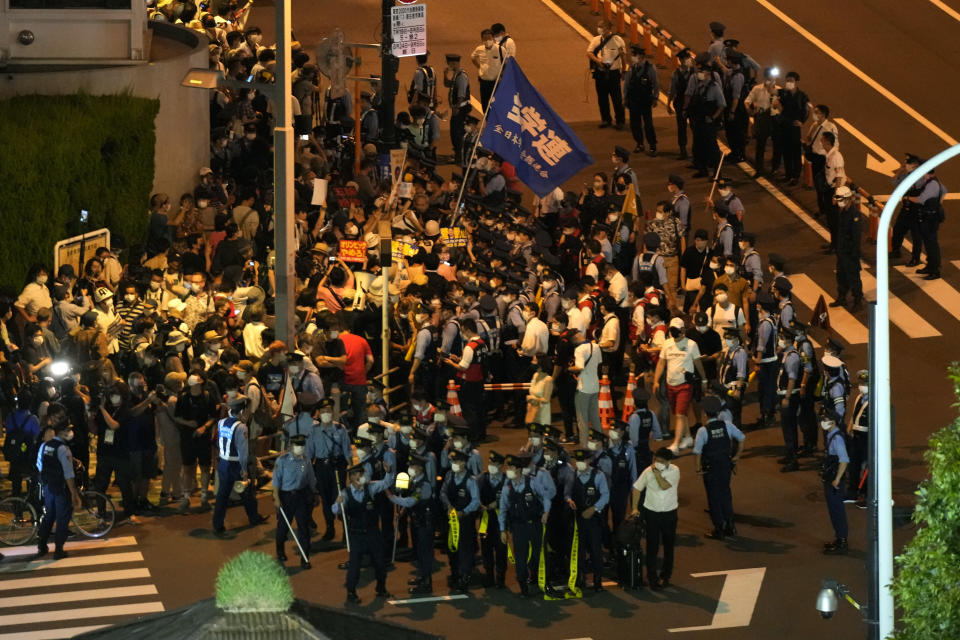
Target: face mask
(729,270)
(326,416)
(724,192)
(334,335)
(414,444)
(526,471)
(614,436)
(535,441)
(362,480)
(783,343)
(548,458)
(556,327)
(115,399)
(362,453)
(493,469)
(702,329)
(203,203)
(730,342)
(593,445)
(790,85)
(863,388)
(826,425)
(231,394)
(613,217)
(298,449)
(241,375)
(581,466)
(743,245)
(458,445)
(69,435)
(38,340)
(456,467)
(130,298)
(154,286)
(413,472)
(42,279)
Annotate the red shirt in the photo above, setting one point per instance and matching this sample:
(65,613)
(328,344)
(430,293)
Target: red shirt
(357,350)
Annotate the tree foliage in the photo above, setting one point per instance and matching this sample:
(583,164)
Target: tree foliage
(927,584)
(65,153)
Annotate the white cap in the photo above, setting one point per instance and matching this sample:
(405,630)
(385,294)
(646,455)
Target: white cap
(101,294)
(676,322)
(844,192)
(832,361)
(194,380)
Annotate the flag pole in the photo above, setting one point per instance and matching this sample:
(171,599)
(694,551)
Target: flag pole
(476,143)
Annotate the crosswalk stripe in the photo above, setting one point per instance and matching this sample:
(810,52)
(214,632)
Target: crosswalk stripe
(105,543)
(78,596)
(73,578)
(841,320)
(50,634)
(69,563)
(941,292)
(79,614)
(902,315)
(955,263)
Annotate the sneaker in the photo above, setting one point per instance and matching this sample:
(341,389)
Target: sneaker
(861,503)
(850,500)
(183,505)
(686,443)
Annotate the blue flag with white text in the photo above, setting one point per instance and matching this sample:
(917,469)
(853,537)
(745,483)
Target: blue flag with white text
(523,130)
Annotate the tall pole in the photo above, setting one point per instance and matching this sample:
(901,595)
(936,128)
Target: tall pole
(880,378)
(283,219)
(873,588)
(389,64)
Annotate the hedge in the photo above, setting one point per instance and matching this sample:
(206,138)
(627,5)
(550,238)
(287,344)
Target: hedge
(62,154)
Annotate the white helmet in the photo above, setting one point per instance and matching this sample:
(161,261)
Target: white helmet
(101,294)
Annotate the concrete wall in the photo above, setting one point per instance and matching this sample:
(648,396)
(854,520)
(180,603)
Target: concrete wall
(183,122)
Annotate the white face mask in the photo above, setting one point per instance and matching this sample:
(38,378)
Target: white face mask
(298,449)
(414,444)
(115,399)
(826,425)
(130,298)
(334,335)
(512,474)
(526,471)
(730,342)
(294,370)
(702,329)
(614,436)
(783,343)
(722,298)
(326,417)
(548,458)
(581,466)
(714,266)
(493,469)
(863,388)
(362,480)
(535,441)
(38,340)
(593,445)
(456,467)
(729,269)
(458,444)
(724,192)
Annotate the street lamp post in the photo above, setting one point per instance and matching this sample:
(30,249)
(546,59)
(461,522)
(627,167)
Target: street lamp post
(283,215)
(880,379)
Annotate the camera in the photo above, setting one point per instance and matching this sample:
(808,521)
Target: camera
(827,600)
(84,216)
(304,136)
(332,258)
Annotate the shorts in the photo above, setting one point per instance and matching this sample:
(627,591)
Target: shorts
(195,450)
(679,397)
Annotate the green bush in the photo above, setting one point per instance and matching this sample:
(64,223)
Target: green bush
(253,581)
(927,584)
(66,153)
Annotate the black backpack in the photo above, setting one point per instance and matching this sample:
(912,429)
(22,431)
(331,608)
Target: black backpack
(17,445)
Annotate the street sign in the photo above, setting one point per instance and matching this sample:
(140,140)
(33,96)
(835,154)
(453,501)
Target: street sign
(408,25)
(333,61)
(67,251)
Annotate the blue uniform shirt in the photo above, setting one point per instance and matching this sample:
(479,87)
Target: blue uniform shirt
(519,484)
(389,458)
(606,462)
(474,462)
(301,425)
(63,455)
(599,482)
(231,431)
(292,473)
(837,445)
(426,493)
(835,394)
(732,431)
(375,487)
(328,442)
(452,478)
(633,426)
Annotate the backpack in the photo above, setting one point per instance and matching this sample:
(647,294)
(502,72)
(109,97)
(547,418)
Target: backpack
(17,445)
(57,323)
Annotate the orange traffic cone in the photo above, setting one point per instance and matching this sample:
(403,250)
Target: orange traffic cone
(628,404)
(605,403)
(453,400)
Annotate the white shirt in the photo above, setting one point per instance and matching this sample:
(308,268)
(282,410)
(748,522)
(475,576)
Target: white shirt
(489,61)
(610,332)
(657,499)
(252,340)
(577,320)
(34,297)
(587,357)
(612,52)
(679,361)
(834,167)
(536,338)
(618,288)
(721,318)
(818,131)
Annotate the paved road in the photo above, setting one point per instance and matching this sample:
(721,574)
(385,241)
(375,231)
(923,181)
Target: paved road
(781,518)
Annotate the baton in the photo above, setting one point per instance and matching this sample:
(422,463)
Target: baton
(294,535)
(716,176)
(343,511)
(396,523)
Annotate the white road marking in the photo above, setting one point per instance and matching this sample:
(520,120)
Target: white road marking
(84,595)
(941,292)
(841,320)
(50,634)
(79,614)
(884,163)
(459,596)
(104,543)
(73,578)
(576,26)
(955,263)
(738,598)
(67,563)
(852,68)
(902,314)
(946,9)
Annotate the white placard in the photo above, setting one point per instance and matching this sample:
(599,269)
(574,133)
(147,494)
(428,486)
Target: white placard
(408,25)
(319,192)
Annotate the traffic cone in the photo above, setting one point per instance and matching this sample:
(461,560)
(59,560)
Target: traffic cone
(628,405)
(453,400)
(605,403)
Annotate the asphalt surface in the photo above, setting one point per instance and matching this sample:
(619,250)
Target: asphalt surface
(781,518)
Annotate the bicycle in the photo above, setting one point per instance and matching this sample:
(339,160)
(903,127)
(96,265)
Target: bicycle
(19,515)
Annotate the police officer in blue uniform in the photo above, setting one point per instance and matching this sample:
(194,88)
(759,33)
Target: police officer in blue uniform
(361,517)
(678,89)
(835,385)
(619,463)
(492,548)
(847,240)
(60,495)
(459,493)
(641,90)
(788,390)
(524,510)
(781,291)
(765,356)
(328,446)
(534,444)
(807,417)
(717,450)
(705,104)
(556,462)
(733,372)
(232,466)
(459,100)
(642,426)
(832,468)
(294,484)
(857,429)
(587,495)
(381,460)
(418,503)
